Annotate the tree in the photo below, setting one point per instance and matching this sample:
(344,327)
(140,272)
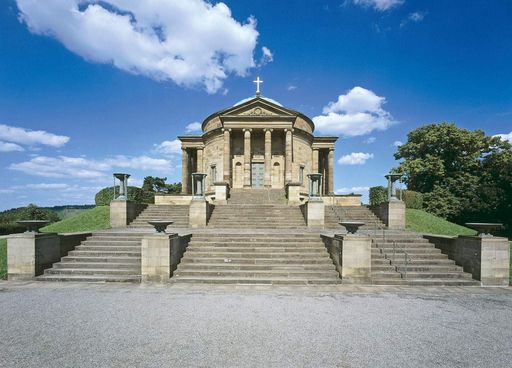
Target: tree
(154,184)
(464,174)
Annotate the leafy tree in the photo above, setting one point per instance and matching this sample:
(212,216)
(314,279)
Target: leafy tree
(464,175)
(173,188)
(154,184)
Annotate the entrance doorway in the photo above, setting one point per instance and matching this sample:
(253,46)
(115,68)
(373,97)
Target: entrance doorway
(257,175)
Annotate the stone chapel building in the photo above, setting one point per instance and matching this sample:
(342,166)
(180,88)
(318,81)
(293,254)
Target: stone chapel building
(258,143)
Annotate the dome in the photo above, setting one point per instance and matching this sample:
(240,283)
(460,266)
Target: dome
(253,97)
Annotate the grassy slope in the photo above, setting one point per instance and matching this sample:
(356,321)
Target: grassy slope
(421,221)
(97,218)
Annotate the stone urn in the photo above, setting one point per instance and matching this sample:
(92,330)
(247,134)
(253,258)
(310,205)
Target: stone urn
(484,228)
(160,225)
(33,226)
(351,226)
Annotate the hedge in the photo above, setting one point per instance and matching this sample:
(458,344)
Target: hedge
(11,228)
(411,198)
(378,195)
(105,196)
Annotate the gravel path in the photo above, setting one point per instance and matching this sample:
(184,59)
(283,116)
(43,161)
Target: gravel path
(66,325)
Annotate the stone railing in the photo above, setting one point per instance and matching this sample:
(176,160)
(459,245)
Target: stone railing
(29,254)
(392,214)
(487,258)
(123,212)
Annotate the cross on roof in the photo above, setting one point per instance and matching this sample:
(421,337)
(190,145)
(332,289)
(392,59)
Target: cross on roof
(258,81)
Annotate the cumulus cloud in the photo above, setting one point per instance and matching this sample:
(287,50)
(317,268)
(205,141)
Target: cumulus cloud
(355,158)
(380,5)
(352,190)
(413,18)
(192,43)
(169,148)
(397,143)
(193,127)
(28,137)
(505,137)
(81,167)
(267,56)
(10,147)
(358,112)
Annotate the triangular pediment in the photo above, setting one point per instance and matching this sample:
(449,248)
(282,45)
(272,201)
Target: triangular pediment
(257,107)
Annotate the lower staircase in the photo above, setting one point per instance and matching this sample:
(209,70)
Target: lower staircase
(176,213)
(415,260)
(256,258)
(335,214)
(103,257)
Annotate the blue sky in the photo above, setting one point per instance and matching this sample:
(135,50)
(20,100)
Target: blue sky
(88,88)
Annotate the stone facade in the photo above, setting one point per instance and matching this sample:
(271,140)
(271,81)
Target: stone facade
(258,143)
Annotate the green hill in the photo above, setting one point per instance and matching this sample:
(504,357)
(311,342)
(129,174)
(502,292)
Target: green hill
(97,218)
(424,222)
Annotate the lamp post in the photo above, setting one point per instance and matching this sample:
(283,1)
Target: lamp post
(392,178)
(198,185)
(315,185)
(123,185)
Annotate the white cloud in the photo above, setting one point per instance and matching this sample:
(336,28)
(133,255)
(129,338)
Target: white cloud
(370,140)
(192,43)
(10,147)
(380,5)
(358,112)
(355,158)
(169,147)
(505,137)
(81,167)
(193,127)
(291,87)
(397,143)
(31,137)
(267,56)
(414,18)
(352,190)
(47,186)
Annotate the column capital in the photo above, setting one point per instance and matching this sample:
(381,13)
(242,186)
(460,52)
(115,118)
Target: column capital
(268,130)
(288,129)
(226,129)
(247,130)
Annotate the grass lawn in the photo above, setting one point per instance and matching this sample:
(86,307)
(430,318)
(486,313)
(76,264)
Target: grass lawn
(421,221)
(97,218)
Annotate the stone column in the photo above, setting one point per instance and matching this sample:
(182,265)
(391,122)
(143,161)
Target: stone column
(200,160)
(330,182)
(184,171)
(314,167)
(247,157)
(288,158)
(268,158)
(227,156)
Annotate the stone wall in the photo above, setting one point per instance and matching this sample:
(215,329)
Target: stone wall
(170,199)
(213,156)
(302,157)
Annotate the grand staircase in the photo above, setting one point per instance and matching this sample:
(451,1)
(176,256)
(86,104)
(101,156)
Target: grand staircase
(178,214)
(333,215)
(103,257)
(256,258)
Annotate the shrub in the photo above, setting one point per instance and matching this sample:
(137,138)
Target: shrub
(11,228)
(378,195)
(106,195)
(411,198)
(441,202)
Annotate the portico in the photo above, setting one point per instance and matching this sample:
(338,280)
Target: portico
(256,144)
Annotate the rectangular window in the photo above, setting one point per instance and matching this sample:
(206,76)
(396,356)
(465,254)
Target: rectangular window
(213,173)
(301,175)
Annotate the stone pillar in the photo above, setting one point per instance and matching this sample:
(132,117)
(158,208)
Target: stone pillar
(315,213)
(198,212)
(314,167)
(356,262)
(288,158)
(29,254)
(227,156)
(156,250)
(330,180)
(247,158)
(200,160)
(268,158)
(392,214)
(184,171)
(123,212)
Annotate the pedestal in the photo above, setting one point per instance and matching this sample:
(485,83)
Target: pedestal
(156,257)
(221,192)
(315,213)
(293,194)
(356,259)
(198,213)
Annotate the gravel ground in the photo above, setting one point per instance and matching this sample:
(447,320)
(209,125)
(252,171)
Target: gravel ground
(69,325)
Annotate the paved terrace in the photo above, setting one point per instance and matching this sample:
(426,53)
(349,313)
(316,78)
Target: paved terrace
(112,325)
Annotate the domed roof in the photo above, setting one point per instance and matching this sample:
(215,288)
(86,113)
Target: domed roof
(263,98)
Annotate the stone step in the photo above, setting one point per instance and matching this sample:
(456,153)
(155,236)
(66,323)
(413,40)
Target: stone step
(92,271)
(108,260)
(259,243)
(255,267)
(108,248)
(277,254)
(436,275)
(442,282)
(257,274)
(112,242)
(258,261)
(247,249)
(90,278)
(98,265)
(411,251)
(104,254)
(257,281)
